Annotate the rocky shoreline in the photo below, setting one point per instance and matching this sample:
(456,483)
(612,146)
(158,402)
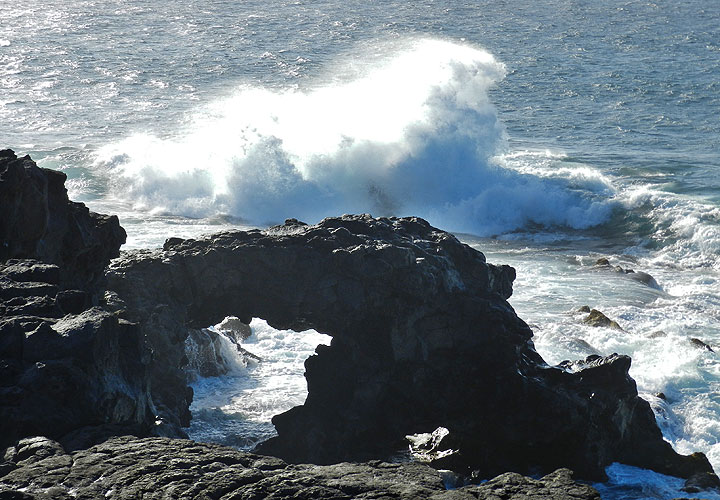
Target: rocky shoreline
(423,339)
(163,468)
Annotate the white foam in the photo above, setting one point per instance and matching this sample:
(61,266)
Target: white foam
(688,227)
(631,483)
(241,404)
(410,133)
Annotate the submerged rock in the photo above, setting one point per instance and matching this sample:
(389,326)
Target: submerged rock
(423,337)
(639,276)
(701,345)
(180,469)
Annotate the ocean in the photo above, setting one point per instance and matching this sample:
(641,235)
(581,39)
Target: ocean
(548,134)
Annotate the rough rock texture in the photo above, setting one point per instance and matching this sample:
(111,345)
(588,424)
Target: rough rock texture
(423,337)
(38,221)
(598,319)
(205,353)
(68,369)
(65,365)
(179,469)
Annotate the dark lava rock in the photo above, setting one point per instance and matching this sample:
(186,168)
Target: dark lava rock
(700,482)
(423,337)
(598,319)
(65,364)
(203,348)
(38,221)
(700,344)
(558,485)
(639,276)
(128,468)
(62,372)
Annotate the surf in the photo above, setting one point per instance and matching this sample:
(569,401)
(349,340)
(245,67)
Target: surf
(410,131)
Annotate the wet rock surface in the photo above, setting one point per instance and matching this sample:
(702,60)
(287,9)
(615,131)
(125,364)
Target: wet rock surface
(598,319)
(423,337)
(639,276)
(127,467)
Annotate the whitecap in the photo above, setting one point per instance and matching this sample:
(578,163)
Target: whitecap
(409,133)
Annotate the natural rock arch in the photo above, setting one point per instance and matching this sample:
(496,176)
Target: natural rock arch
(422,337)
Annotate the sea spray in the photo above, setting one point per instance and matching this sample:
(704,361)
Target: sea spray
(410,133)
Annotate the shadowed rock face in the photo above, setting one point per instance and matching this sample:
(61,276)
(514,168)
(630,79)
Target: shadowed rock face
(38,221)
(423,337)
(65,363)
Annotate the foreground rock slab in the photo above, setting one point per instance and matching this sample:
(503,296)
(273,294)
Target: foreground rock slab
(160,468)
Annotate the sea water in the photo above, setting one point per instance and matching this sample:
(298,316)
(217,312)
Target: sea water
(547,134)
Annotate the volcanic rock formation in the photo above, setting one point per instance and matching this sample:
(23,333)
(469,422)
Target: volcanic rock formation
(38,221)
(65,364)
(423,337)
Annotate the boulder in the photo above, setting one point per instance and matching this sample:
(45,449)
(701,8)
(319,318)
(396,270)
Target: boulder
(639,276)
(208,353)
(598,319)
(235,329)
(700,344)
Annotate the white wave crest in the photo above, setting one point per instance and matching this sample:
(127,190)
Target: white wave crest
(413,134)
(688,228)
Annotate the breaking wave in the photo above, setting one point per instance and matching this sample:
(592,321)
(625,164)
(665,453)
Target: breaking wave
(409,133)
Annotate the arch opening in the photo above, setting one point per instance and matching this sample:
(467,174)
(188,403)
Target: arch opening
(243,375)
